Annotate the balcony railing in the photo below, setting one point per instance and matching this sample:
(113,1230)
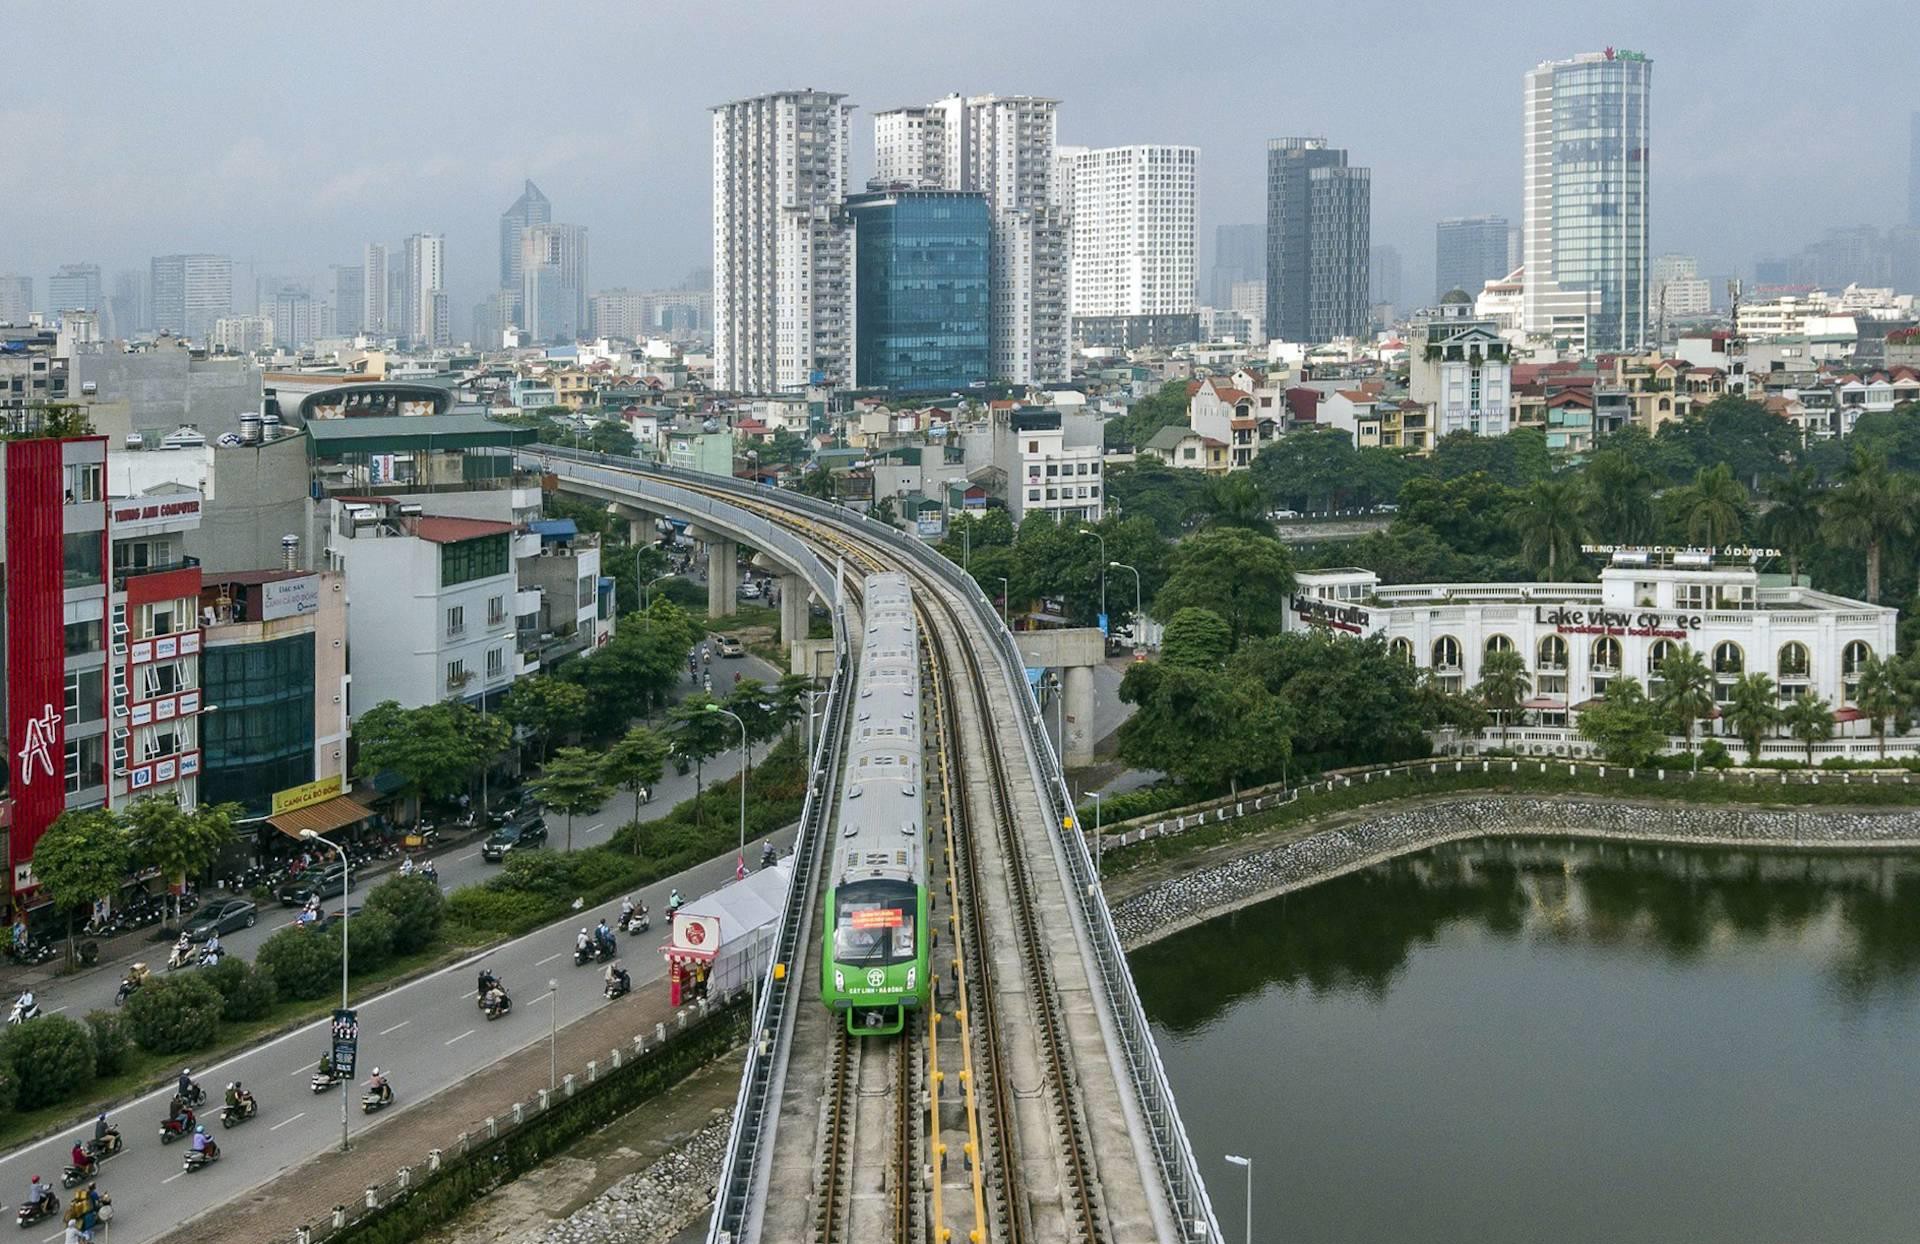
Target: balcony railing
(122,575)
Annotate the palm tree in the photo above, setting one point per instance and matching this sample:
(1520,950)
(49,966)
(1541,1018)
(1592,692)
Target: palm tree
(1504,683)
(1809,720)
(1869,508)
(1550,523)
(1879,695)
(1235,500)
(1793,522)
(1619,498)
(1712,509)
(1753,711)
(1686,690)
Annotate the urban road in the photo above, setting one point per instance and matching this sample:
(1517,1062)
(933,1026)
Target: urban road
(426,1036)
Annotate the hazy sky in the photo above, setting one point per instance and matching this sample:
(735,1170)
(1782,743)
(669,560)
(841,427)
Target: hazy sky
(290,134)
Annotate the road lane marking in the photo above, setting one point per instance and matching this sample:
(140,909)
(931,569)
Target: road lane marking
(56,1010)
(169,1179)
(396,1028)
(549,959)
(469,855)
(295,1119)
(463,1036)
(596,828)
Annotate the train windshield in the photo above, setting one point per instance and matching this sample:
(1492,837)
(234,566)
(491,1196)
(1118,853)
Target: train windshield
(875,923)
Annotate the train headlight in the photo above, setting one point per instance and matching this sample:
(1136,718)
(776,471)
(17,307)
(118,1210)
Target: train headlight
(839,981)
(912,974)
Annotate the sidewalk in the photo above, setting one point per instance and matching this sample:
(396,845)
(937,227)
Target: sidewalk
(310,1190)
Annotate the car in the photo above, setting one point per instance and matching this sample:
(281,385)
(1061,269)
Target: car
(524,834)
(728,646)
(750,590)
(224,916)
(326,884)
(1280,514)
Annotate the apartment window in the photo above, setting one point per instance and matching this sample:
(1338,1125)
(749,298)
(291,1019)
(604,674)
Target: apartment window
(466,560)
(86,762)
(165,678)
(1052,470)
(456,675)
(1033,494)
(456,621)
(1033,447)
(586,591)
(86,692)
(84,637)
(1690,596)
(159,618)
(157,742)
(496,610)
(80,559)
(496,662)
(82,482)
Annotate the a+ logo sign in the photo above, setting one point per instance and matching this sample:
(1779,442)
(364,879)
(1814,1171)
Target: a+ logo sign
(39,745)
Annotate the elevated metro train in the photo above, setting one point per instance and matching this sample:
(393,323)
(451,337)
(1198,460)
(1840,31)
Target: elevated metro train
(874,968)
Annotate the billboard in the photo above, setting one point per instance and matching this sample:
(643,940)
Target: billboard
(290,598)
(305,796)
(36,650)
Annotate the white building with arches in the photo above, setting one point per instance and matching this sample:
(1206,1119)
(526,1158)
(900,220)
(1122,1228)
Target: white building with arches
(1575,638)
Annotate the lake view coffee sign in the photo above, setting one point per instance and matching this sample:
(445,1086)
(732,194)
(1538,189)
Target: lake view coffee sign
(1641,624)
(1352,619)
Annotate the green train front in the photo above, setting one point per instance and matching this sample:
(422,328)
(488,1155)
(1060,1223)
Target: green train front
(874,964)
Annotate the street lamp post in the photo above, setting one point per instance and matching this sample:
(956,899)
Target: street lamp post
(1247,1163)
(715,708)
(1088,531)
(1139,631)
(553,1035)
(647,588)
(966,548)
(1006,603)
(346,882)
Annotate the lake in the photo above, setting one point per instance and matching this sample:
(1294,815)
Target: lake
(1536,1040)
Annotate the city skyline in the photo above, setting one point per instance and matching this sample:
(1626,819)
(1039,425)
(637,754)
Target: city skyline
(119,192)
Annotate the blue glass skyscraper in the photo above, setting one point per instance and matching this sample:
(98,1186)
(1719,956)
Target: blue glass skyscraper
(920,290)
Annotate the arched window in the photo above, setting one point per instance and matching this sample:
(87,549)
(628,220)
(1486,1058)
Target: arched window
(1666,404)
(1402,648)
(1499,643)
(1853,656)
(1553,653)
(1446,653)
(1728,660)
(1605,657)
(1794,662)
(1657,651)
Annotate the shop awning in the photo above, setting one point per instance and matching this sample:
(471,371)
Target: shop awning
(321,818)
(1544,704)
(1848,713)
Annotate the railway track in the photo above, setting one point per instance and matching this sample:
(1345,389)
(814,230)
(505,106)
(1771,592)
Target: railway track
(1006,1037)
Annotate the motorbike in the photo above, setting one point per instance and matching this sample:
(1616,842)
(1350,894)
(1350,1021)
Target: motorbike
(178,958)
(33,1211)
(233,1116)
(636,922)
(371,1101)
(583,955)
(494,1009)
(618,987)
(208,957)
(196,1096)
(172,1129)
(135,977)
(197,1158)
(100,1151)
(32,953)
(428,871)
(22,1012)
(321,1083)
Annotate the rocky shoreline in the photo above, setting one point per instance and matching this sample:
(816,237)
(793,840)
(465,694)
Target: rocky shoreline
(649,1207)
(1183,901)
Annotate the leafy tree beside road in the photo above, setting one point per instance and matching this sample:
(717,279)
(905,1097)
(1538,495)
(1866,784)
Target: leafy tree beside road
(570,785)
(1243,578)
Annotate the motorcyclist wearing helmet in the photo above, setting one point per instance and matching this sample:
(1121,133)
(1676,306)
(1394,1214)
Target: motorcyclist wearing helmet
(203,1143)
(582,942)
(488,982)
(80,1158)
(377,1084)
(41,1195)
(187,1089)
(234,1096)
(101,1128)
(616,973)
(325,1069)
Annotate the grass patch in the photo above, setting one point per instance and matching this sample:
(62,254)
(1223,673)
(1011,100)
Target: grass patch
(1501,779)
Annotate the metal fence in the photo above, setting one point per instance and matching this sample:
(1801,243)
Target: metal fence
(1261,799)
(1180,1173)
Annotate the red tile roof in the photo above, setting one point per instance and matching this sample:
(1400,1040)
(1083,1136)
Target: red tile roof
(439,530)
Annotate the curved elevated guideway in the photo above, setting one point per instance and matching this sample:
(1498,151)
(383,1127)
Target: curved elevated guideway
(1030,1104)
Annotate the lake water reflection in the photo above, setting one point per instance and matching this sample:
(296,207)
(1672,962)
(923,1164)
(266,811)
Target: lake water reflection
(1516,1040)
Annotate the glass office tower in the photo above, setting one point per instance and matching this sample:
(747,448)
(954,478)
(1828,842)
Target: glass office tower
(1585,227)
(920,290)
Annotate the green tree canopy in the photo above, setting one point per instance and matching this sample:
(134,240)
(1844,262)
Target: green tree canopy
(1871,508)
(1202,727)
(637,761)
(1809,720)
(1548,517)
(545,708)
(1712,510)
(1242,577)
(571,784)
(1753,711)
(433,749)
(1504,685)
(1625,725)
(1686,690)
(179,844)
(83,856)
(1196,639)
